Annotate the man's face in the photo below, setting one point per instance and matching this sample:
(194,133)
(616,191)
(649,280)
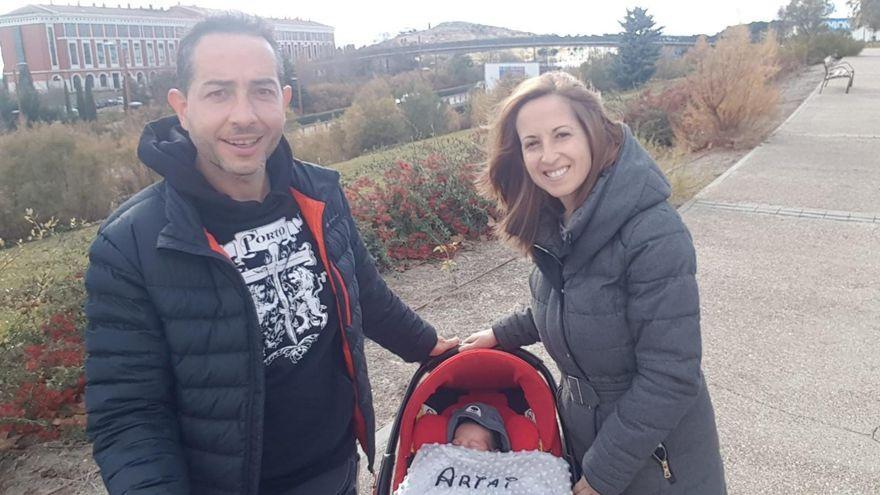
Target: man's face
(234,108)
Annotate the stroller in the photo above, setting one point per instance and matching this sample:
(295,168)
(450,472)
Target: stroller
(516,383)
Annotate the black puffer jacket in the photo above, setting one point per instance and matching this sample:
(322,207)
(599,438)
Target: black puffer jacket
(615,303)
(175,379)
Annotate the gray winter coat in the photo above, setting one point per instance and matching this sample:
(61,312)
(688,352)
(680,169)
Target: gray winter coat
(615,303)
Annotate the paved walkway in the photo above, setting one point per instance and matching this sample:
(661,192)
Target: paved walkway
(788,243)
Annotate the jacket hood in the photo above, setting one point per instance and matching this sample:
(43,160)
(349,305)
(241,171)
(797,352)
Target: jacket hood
(634,183)
(165,147)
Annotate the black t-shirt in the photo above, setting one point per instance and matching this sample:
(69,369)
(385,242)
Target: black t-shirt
(309,402)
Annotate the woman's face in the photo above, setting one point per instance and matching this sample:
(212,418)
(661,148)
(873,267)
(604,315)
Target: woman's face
(555,149)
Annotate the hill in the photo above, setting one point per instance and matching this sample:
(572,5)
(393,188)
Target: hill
(450,31)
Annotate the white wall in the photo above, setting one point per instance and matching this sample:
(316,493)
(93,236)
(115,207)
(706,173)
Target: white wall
(494,72)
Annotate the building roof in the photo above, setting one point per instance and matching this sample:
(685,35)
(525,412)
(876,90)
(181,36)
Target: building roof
(177,12)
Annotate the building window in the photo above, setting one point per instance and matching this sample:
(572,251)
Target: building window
(123,31)
(90,81)
(115,80)
(53,54)
(140,77)
(135,31)
(160,48)
(85,30)
(98,30)
(172,55)
(151,55)
(76,81)
(110,30)
(138,54)
(114,55)
(87,53)
(99,54)
(70,30)
(103,80)
(73,53)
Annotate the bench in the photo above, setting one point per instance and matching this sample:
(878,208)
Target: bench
(836,69)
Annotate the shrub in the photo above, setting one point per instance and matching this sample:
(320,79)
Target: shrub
(416,207)
(66,172)
(598,73)
(729,90)
(41,339)
(650,114)
(323,146)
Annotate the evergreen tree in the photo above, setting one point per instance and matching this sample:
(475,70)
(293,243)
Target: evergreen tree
(28,98)
(80,98)
(638,51)
(67,109)
(806,17)
(90,110)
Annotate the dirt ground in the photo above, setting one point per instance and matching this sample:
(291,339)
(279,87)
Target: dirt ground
(487,282)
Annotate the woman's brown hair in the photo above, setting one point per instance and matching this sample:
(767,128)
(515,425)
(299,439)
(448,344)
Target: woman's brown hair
(506,180)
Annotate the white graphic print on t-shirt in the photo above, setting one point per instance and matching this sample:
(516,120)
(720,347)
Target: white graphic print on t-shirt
(282,277)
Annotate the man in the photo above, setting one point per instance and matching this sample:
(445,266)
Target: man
(228,303)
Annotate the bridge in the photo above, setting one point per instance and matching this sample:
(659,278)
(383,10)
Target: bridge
(480,45)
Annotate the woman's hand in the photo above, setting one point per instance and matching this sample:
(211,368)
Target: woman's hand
(443,344)
(583,488)
(480,340)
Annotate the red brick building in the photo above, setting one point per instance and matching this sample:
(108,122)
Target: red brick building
(66,42)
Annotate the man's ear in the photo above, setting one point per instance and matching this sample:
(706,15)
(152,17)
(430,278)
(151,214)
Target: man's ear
(177,100)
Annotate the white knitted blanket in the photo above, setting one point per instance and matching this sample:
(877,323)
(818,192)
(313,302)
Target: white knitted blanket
(451,470)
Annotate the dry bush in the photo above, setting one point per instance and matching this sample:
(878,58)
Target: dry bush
(324,146)
(729,92)
(484,103)
(67,172)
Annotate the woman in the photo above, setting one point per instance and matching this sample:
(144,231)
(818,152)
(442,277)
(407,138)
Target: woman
(614,298)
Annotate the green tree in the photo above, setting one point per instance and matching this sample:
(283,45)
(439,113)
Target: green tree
(28,98)
(80,98)
(638,51)
(424,110)
(7,106)
(598,72)
(866,13)
(806,17)
(373,120)
(90,111)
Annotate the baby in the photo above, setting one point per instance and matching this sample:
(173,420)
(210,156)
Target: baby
(478,426)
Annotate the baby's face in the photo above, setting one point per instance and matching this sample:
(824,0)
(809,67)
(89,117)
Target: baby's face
(473,436)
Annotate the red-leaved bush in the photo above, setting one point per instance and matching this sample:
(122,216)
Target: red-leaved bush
(49,396)
(417,207)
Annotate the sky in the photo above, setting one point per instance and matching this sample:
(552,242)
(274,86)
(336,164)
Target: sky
(363,22)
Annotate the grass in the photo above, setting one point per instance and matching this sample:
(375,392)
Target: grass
(461,145)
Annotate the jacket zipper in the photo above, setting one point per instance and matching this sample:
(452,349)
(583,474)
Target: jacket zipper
(255,438)
(662,456)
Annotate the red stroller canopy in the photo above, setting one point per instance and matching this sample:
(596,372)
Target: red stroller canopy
(481,370)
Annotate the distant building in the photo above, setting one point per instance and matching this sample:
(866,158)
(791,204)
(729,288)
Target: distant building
(519,70)
(845,24)
(838,23)
(68,42)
